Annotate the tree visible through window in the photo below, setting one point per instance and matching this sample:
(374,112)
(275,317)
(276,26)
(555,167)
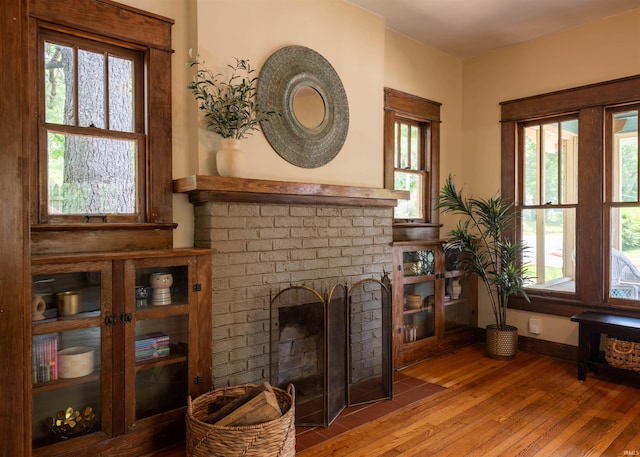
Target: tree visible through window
(92,147)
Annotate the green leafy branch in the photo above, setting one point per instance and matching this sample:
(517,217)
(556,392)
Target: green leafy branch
(229,105)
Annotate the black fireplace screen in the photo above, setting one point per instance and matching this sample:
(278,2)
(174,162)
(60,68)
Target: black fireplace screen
(335,347)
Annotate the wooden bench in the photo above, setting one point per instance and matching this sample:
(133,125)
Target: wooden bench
(590,326)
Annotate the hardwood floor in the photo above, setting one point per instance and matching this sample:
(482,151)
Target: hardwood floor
(530,406)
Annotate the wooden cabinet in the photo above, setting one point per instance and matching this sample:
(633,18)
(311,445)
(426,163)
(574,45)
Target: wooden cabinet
(434,307)
(123,354)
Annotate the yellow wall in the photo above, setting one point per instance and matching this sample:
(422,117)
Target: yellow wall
(595,52)
(367,57)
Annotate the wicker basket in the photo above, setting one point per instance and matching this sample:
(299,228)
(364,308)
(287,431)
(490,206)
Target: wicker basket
(623,354)
(275,438)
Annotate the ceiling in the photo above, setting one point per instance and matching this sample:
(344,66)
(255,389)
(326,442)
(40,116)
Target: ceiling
(466,28)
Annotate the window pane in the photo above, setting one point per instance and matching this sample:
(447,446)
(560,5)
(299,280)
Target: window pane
(625,253)
(409,209)
(625,157)
(402,156)
(91,175)
(531,164)
(549,235)
(120,94)
(91,89)
(414,148)
(58,84)
(551,163)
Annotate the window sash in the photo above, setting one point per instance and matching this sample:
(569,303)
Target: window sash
(131,131)
(591,104)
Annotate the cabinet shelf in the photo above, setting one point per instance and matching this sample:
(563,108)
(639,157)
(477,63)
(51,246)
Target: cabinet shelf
(414,279)
(65,382)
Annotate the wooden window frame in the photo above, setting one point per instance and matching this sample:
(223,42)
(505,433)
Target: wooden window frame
(137,135)
(590,103)
(404,107)
(130,28)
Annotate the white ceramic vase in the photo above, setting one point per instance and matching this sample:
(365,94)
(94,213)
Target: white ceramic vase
(230,159)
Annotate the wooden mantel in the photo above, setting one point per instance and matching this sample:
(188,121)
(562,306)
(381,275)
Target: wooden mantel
(202,189)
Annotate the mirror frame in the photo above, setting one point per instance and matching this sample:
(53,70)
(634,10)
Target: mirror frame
(284,72)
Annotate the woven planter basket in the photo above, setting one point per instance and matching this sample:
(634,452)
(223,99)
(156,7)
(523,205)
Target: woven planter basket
(276,438)
(623,354)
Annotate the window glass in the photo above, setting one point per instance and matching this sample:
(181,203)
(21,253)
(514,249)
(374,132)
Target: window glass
(412,208)
(92,149)
(625,210)
(548,226)
(59,81)
(91,175)
(408,174)
(91,89)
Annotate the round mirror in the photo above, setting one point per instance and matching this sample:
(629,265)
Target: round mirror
(308,107)
(302,86)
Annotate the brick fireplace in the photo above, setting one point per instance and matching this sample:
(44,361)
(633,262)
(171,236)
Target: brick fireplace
(270,235)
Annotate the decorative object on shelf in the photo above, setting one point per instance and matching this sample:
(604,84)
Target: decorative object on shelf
(161,284)
(303,86)
(38,306)
(68,303)
(230,109)
(69,422)
(456,289)
(487,252)
(230,159)
(152,346)
(429,302)
(75,362)
(142,293)
(45,363)
(410,334)
(414,301)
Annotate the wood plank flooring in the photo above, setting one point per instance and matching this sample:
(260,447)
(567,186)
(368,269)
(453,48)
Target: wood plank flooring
(530,406)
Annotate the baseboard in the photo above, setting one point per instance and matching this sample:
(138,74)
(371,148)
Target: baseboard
(537,346)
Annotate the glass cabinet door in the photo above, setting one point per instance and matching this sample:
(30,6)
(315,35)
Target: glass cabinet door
(158,298)
(419,268)
(69,372)
(458,309)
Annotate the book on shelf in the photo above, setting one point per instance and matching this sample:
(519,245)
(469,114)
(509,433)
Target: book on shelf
(45,358)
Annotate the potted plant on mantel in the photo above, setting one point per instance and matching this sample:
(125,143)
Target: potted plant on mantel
(230,109)
(486,252)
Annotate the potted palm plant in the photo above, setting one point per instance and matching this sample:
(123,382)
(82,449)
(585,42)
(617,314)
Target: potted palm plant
(230,109)
(486,252)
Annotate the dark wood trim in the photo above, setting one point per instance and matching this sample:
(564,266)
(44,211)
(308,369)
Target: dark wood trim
(100,237)
(202,189)
(124,22)
(572,100)
(411,106)
(15,275)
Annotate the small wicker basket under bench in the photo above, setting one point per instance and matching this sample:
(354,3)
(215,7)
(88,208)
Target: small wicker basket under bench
(622,355)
